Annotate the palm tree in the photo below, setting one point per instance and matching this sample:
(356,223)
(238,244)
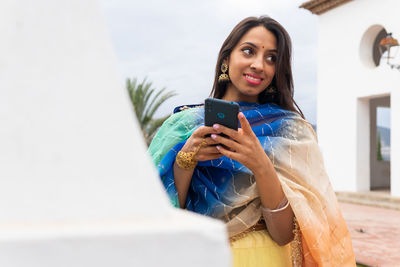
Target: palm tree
(146,101)
(379,147)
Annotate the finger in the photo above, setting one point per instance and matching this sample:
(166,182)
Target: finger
(210,141)
(231,144)
(206,157)
(244,123)
(209,150)
(228,131)
(226,152)
(214,156)
(203,130)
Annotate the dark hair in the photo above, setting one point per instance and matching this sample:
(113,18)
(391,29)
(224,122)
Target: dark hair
(282,81)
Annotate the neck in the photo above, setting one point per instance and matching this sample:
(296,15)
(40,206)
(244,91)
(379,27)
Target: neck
(236,96)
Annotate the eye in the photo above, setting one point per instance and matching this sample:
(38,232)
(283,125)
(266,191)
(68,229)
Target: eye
(247,51)
(271,58)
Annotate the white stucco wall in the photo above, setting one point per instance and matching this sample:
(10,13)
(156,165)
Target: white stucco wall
(66,119)
(344,85)
(76,185)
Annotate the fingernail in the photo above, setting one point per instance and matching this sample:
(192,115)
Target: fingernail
(241,115)
(218,147)
(213,136)
(216,126)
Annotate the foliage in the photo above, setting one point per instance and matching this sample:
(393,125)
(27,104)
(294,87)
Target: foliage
(379,147)
(146,101)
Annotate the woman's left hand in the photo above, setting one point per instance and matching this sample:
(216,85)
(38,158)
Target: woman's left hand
(242,146)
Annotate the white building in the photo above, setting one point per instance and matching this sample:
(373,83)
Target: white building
(352,83)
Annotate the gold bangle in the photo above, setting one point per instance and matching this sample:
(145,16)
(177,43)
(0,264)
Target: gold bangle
(185,160)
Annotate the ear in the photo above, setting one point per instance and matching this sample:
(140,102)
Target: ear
(226,61)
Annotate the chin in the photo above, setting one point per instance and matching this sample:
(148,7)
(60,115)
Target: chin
(251,93)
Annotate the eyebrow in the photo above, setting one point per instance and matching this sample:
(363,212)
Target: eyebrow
(255,46)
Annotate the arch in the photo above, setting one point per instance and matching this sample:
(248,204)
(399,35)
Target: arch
(370,54)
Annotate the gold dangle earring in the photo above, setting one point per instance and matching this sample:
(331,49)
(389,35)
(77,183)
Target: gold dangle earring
(270,93)
(270,90)
(223,77)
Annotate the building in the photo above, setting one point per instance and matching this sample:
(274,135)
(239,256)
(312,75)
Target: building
(353,82)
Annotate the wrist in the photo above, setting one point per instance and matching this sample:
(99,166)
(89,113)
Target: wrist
(186,160)
(264,167)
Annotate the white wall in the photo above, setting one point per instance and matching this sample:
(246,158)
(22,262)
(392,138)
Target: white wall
(66,119)
(343,81)
(76,185)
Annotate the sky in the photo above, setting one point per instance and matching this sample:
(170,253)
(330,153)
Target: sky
(175,43)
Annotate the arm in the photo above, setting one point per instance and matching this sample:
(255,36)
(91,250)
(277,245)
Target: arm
(278,217)
(245,148)
(182,181)
(280,222)
(183,177)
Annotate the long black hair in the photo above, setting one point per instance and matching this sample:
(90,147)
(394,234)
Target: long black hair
(283,79)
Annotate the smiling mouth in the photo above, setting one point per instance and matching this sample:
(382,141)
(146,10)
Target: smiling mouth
(252,79)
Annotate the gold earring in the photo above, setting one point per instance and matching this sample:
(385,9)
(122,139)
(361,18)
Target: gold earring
(271,90)
(223,77)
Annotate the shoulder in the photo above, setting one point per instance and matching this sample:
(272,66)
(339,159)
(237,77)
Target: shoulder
(300,128)
(185,107)
(185,116)
(289,123)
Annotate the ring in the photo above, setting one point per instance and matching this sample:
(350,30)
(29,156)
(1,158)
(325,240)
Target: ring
(185,160)
(204,142)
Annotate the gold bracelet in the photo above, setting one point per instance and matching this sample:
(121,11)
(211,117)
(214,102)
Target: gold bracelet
(185,160)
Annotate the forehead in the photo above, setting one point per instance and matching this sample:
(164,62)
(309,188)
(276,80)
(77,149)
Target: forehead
(259,36)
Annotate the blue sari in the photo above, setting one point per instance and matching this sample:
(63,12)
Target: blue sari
(227,190)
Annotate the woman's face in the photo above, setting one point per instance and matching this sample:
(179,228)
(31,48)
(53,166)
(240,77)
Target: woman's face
(251,65)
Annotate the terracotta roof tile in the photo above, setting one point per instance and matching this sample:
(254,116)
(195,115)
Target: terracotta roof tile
(321,6)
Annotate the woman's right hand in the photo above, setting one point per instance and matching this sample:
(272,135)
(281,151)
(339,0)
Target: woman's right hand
(209,151)
(206,152)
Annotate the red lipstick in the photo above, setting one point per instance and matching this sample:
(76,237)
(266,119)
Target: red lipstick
(252,78)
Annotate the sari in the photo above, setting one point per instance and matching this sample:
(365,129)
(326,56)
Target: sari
(225,189)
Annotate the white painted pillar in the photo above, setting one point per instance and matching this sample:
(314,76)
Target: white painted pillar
(76,185)
(395,141)
(363,145)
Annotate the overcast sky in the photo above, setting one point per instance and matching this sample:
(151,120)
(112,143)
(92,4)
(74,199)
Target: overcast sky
(175,43)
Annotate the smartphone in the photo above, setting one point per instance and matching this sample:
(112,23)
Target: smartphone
(222,112)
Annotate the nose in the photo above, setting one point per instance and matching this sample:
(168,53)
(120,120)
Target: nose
(257,64)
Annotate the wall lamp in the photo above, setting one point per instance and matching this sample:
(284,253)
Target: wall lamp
(390,45)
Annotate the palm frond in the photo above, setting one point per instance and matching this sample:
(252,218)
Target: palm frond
(159,101)
(150,107)
(146,101)
(153,127)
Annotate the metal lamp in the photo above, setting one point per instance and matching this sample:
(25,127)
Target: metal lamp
(386,44)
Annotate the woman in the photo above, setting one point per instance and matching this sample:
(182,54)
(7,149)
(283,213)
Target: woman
(266,180)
